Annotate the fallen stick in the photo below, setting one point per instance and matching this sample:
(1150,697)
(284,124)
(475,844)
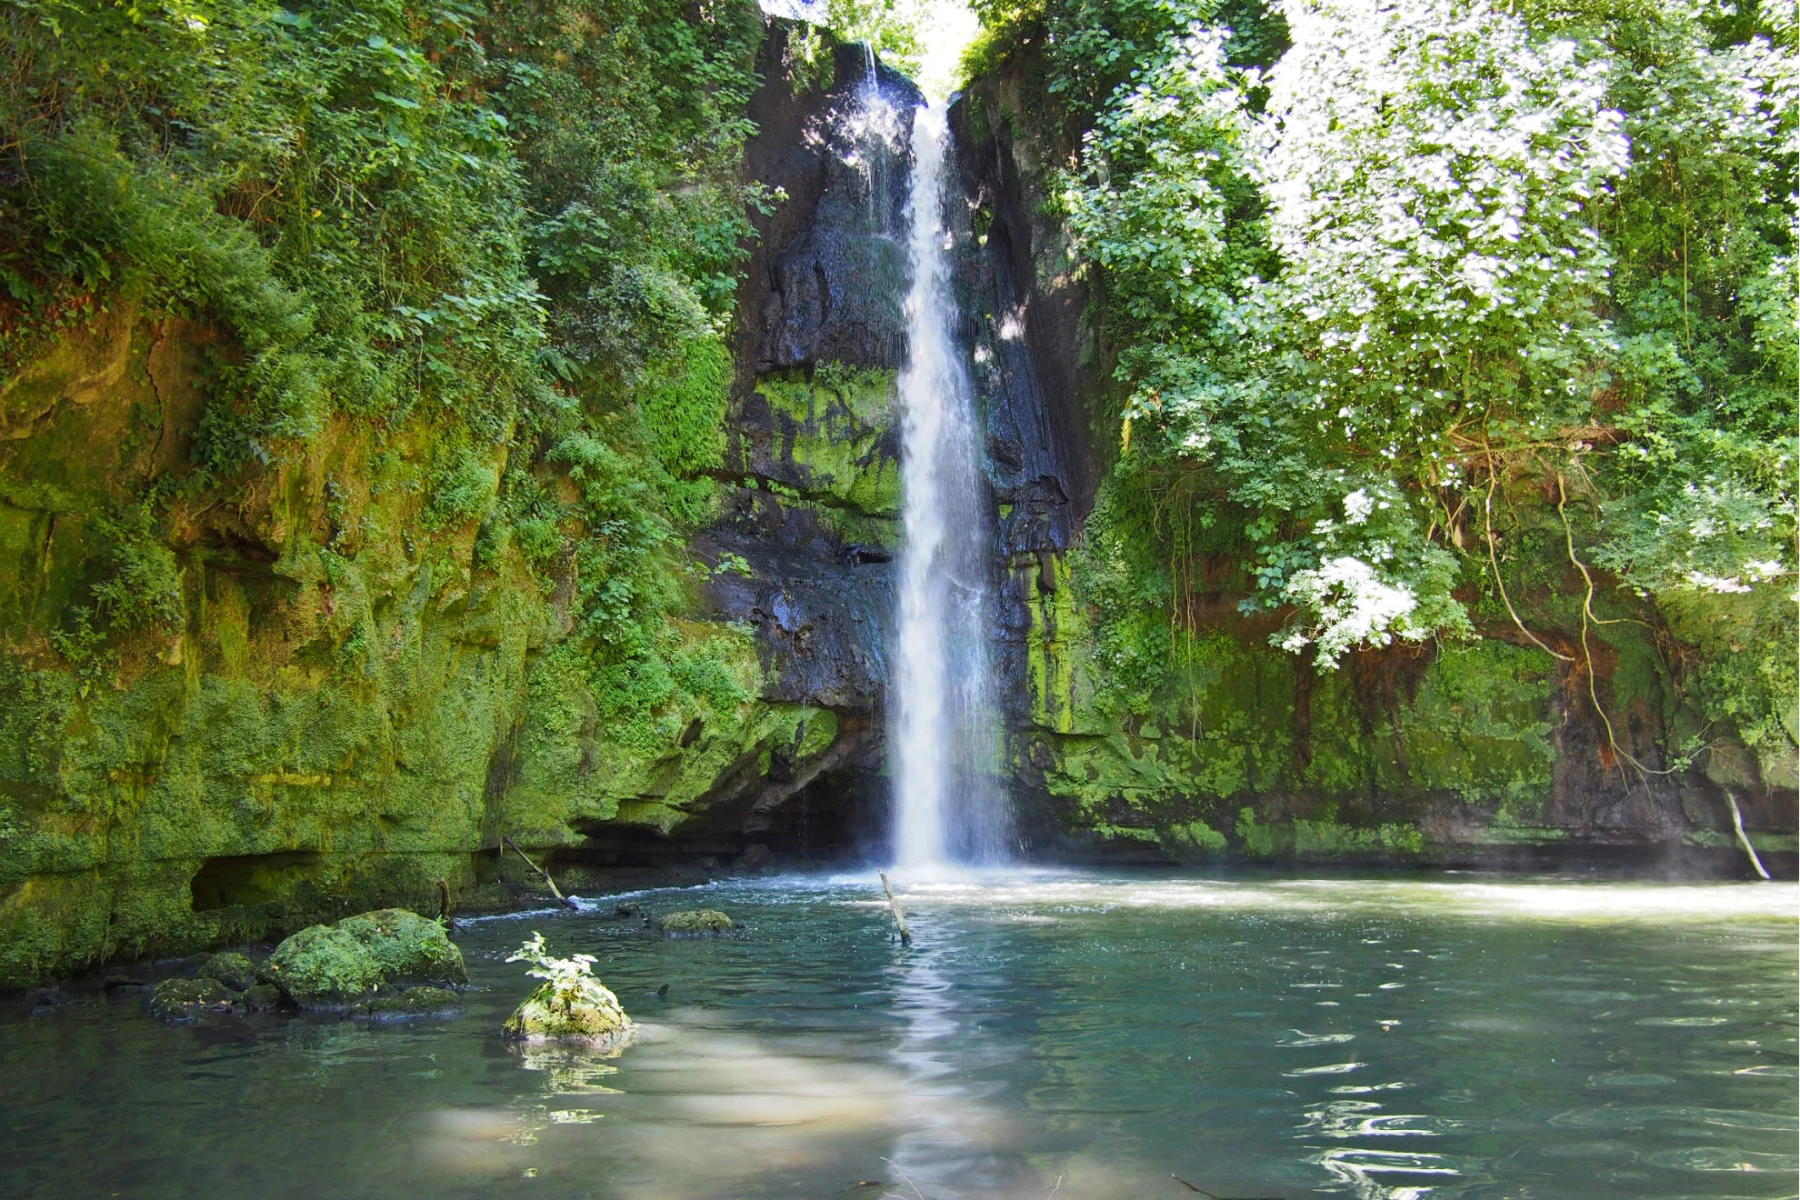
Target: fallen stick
(1737,823)
(551,883)
(899,918)
(444,917)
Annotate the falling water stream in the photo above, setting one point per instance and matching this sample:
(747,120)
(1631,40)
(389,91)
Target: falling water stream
(948,808)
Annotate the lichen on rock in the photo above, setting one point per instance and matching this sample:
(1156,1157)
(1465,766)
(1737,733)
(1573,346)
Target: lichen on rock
(337,966)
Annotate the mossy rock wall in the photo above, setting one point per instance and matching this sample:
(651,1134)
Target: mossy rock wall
(1463,751)
(347,710)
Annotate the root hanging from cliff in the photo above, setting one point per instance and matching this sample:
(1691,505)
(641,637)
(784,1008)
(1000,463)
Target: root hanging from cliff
(1737,824)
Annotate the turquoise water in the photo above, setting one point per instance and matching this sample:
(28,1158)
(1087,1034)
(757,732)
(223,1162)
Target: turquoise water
(1256,1036)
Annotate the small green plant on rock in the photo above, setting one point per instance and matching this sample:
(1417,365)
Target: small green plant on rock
(571,1005)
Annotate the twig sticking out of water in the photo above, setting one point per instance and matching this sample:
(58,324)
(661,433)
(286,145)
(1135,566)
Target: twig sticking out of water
(900,920)
(560,898)
(1055,1189)
(1737,823)
(890,1162)
(1209,1196)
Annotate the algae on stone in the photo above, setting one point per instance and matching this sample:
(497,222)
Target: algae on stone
(422,1001)
(694,923)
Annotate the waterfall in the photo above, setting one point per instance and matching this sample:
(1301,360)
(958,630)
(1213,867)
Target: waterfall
(948,806)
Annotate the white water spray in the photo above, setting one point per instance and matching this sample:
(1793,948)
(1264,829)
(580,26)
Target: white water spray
(948,807)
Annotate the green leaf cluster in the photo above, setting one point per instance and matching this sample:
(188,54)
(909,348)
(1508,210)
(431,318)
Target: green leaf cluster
(508,232)
(1389,280)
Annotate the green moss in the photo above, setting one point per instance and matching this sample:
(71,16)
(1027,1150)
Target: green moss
(1257,840)
(833,437)
(1328,839)
(696,923)
(1049,648)
(234,970)
(327,966)
(423,1001)
(1198,835)
(572,1009)
(184,999)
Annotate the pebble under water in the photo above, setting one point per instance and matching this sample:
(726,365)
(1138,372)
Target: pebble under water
(1087,1035)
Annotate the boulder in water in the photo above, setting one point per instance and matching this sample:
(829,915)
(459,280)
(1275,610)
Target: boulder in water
(261,997)
(184,999)
(571,1008)
(699,922)
(234,970)
(339,966)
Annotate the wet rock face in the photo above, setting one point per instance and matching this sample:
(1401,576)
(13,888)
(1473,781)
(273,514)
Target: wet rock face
(828,277)
(1038,368)
(803,550)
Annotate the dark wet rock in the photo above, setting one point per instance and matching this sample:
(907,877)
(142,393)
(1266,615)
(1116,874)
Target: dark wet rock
(261,997)
(184,999)
(123,983)
(821,625)
(757,859)
(699,922)
(422,1001)
(827,277)
(338,966)
(822,330)
(236,971)
(47,1000)
(627,910)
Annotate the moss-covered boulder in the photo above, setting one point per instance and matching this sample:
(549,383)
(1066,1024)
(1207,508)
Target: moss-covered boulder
(184,999)
(695,923)
(339,966)
(236,971)
(574,1007)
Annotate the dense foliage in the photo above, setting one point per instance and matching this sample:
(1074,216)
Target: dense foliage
(509,230)
(1433,313)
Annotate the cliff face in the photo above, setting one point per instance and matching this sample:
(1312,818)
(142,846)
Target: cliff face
(354,698)
(1489,750)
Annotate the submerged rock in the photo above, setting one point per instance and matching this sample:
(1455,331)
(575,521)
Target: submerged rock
(183,999)
(422,1001)
(571,1008)
(235,971)
(261,997)
(338,966)
(695,923)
